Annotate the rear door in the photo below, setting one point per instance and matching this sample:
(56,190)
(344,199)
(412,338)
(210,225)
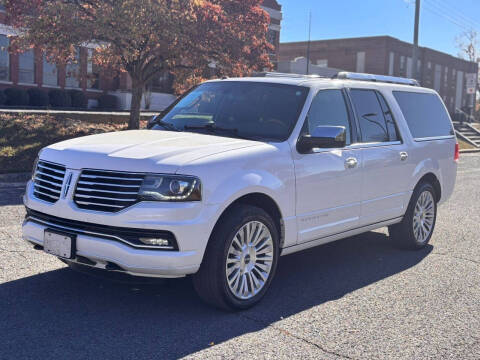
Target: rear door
(328,181)
(385,167)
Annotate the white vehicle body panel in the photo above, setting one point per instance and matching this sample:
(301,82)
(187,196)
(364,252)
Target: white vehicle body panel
(319,199)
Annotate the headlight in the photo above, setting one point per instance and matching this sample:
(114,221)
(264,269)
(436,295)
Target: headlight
(170,188)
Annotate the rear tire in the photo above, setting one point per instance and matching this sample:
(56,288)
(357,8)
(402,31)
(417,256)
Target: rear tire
(240,260)
(416,228)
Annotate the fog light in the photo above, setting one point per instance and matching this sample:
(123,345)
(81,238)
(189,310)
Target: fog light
(156,242)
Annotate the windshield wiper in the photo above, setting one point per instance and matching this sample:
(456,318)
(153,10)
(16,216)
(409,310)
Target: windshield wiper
(166,125)
(216,129)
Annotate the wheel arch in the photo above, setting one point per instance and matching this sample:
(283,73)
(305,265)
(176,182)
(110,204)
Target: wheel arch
(432,179)
(262,201)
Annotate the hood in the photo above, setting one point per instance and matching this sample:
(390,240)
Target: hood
(140,150)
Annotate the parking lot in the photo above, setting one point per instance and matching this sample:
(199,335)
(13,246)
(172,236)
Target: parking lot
(358,298)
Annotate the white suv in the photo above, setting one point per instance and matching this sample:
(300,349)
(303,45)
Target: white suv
(240,171)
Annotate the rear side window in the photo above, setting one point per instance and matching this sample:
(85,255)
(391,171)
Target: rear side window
(425,114)
(370,116)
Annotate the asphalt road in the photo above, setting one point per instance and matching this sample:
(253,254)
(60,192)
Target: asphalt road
(359,298)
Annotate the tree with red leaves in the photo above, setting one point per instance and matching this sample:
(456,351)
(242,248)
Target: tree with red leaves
(148,37)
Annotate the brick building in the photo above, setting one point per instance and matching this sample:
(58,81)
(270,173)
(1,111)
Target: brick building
(274,9)
(30,69)
(386,55)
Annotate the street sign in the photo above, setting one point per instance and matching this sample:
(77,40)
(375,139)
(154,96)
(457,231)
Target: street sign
(471,83)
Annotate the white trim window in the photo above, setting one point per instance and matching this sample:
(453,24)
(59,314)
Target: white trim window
(50,73)
(391,63)
(360,62)
(72,71)
(93,76)
(26,67)
(4,58)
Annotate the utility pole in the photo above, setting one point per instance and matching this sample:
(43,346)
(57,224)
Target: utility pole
(309,40)
(416,73)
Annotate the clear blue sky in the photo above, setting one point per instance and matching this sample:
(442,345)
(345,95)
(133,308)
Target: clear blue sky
(440,20)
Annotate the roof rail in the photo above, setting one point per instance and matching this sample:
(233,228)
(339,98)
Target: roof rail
(376,78)
(286,75)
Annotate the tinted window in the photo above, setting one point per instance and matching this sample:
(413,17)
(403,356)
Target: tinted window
(252,109)
(425,114)
(328,108)
(387,114)
(370,116)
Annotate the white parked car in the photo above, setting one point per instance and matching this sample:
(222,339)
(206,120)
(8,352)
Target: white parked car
(241,171)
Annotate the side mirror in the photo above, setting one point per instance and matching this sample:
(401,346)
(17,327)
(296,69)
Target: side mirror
(323,137)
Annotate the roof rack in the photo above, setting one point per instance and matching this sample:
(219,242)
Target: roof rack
(283,75)
(376,78)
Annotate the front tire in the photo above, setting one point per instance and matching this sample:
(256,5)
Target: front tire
(416,228)
(240,260)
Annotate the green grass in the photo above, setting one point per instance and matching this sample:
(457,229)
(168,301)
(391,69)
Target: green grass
(22,136)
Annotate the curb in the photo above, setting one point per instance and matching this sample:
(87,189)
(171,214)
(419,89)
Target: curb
(469,151)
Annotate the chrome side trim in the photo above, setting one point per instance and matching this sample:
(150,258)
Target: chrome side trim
(86,232)
(431,138)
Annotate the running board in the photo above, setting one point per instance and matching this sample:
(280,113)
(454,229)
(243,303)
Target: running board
(342,235)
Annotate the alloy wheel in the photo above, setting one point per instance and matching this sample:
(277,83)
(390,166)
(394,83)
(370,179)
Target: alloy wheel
(423,216)
(249,260)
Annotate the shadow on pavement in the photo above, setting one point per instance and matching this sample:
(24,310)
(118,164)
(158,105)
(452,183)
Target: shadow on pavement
(11,195)
(64,314)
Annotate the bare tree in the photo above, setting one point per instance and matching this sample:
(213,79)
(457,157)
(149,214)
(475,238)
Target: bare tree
(468,43)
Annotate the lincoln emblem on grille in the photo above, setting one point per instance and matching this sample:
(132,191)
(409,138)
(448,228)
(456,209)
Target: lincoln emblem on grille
(66,186)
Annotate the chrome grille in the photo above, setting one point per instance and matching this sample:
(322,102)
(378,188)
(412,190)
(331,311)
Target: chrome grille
(109,191)
(48,180)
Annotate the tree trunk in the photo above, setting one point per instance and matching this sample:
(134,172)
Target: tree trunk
(137,92)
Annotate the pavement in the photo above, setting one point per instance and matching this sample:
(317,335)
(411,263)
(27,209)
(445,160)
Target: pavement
(358,298)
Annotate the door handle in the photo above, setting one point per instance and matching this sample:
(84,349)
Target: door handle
(350,163)
(403,156)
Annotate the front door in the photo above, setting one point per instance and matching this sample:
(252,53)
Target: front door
(328,181)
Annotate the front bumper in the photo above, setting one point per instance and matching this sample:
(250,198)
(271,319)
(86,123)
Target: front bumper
(190,224)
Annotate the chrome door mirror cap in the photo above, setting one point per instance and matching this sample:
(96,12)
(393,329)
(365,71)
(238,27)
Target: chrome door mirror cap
(323,137)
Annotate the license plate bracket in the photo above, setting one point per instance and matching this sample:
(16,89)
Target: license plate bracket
(59,243)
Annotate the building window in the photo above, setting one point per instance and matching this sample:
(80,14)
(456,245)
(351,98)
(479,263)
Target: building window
(93,75)
(50,73)
(26,67)
(391,63)
(445,78)
(402,63)
(2,8)
(4,58)
(419,67)
(162,83)
(272,37)
(429,65)
(409,67)
(437,77)
(72,71)
(361,61)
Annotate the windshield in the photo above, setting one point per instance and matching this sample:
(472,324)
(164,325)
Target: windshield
(256,110)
